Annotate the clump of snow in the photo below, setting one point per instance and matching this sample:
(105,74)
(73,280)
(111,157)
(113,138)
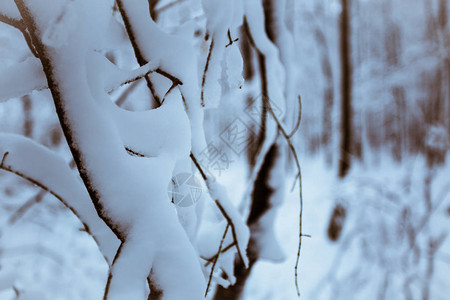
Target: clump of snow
(234,67)
(21,79)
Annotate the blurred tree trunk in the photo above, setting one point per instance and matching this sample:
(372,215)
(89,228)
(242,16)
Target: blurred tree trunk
(328,95)
(27,116)
(338,215)
(320,37)
(346,87)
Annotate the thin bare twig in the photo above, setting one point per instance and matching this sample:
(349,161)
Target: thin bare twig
(3,160)
(134,153)
(222,210)
(10,21)
(197,165)
(39,184)
(294,153)
(131,80)
(161,9)
(299,118)
(20,25)
(210,260)
(291,147)
(233,229)
(230,40)
(26,206)
(216,258)
(123,97)
(288,140)
(139,55)
(175,80)
(208,58)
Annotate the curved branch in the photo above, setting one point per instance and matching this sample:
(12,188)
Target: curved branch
(38,165)
(297,163)
(231,215)
(238,228)
(216,258)
(299,118)
(19,24)
(211,46)
(268,53)
(22,79)
(140,57)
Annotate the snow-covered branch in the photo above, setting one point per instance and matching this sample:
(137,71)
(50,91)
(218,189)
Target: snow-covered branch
(25,77)
(21,79)
(140,29)
(223,17)
(45,169)
(130,194)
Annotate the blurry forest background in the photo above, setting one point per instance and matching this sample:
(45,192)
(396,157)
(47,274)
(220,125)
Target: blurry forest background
(379,229)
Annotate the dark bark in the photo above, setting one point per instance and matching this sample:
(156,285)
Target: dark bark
(153,12)
(137,52)
(262,191)
(66,125)
(247,55)
(346,87)
(336,222)
(269,19)
(253,151)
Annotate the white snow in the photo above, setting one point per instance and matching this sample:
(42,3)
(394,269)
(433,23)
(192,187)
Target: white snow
(21,79)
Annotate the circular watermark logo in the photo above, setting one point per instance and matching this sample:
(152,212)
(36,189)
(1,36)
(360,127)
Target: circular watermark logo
(184,189)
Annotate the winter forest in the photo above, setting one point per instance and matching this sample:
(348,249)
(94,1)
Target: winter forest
(210,149)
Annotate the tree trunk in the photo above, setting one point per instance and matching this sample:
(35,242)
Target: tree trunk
(346,87)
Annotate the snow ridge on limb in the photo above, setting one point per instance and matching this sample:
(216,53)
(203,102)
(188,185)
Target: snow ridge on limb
(150,133)
(25,77)
(223,19)
(180,59)
(276,89)
(9,10)
(274,46)
(21,79)
(284,40)
(40,166)
(176,58)
(130,194)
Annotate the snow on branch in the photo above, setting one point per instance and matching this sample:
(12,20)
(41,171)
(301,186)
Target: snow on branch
(130,193)
(11,16)
(25,77)
(273,76)
(9,10)
(223,17)
(50,172)
(110,77)
(21,79)
(177,60)
(142,32)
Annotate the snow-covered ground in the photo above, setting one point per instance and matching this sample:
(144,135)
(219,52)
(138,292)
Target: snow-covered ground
(342,269)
